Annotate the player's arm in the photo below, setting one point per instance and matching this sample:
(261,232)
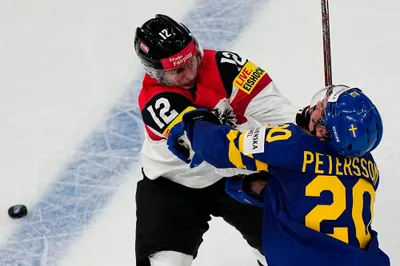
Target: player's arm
(254,149)
(251,90)
(163,111)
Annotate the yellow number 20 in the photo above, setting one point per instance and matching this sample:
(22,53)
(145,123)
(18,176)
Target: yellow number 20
(332,212)
(278,133)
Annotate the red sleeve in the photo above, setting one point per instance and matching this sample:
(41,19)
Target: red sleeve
(242,80)
(248,86)
(162,107)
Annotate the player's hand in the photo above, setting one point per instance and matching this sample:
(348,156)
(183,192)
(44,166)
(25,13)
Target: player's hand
(177,145)
(248,189)
(200,114)
(177,141)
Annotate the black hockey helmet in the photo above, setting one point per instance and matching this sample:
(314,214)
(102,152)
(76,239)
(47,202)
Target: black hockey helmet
(162,44)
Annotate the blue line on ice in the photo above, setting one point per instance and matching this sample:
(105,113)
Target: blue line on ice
(86,184)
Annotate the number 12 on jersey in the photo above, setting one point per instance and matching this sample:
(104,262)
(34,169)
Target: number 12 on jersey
(163,107)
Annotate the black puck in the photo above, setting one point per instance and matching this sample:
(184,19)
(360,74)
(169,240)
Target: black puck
(17,211)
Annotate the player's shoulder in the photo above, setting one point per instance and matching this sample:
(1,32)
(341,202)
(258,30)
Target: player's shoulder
(291,135)
(152,91)
(282,132)
(226,61)
(244,75)
(162,106)
(290,130)
(229,60)
(274,136)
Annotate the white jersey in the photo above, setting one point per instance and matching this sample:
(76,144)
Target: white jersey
(226,83)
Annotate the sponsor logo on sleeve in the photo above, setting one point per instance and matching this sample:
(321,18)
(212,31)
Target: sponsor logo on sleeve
(253,141)
(248,77)
(177,120)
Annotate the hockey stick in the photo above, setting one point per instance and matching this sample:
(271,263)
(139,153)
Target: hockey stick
(326,42)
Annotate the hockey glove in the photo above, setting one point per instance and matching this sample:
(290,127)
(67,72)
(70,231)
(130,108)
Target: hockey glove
(201,114)
(176,139)
(177,145)
(239,188)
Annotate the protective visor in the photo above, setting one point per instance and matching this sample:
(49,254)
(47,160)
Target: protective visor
(317,111)
(327,94)
(182,68)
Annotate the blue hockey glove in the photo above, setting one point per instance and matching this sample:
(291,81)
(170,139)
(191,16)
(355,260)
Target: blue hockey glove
(181,149)
(176,145)
(200,114)
(175,141)
(238,187)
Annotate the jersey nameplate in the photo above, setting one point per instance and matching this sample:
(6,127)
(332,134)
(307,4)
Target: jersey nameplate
(253,140)
(248,77)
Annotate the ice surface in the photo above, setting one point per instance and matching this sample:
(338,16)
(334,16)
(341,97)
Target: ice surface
(72,132)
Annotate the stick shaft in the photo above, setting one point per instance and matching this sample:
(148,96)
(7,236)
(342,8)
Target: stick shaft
(326,42)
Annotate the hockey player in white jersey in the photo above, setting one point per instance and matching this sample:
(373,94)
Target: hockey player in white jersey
(174,201)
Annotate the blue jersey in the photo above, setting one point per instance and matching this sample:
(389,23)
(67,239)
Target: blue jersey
(318,205)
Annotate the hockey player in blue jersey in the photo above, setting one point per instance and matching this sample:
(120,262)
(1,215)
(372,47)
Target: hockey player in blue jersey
(318,177)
